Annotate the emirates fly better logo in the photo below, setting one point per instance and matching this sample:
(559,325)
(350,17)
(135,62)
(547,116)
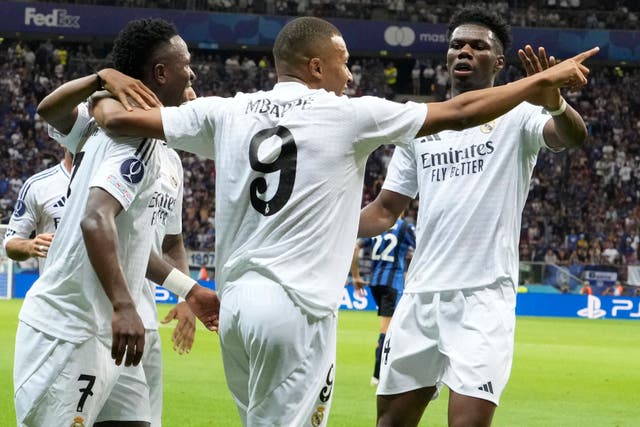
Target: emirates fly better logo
(399,36)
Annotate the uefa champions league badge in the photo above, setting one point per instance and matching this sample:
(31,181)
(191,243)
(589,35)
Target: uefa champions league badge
(488,127)
(132,170)
(78,422)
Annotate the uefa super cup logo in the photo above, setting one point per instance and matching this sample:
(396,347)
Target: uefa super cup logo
(132,170)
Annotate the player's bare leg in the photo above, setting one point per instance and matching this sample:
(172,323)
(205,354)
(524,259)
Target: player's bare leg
(404,409)
(467,411)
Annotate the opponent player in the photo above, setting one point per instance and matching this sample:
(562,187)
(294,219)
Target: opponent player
(81,313)
(289,170)
(455,322)
(38,210)
(389,252)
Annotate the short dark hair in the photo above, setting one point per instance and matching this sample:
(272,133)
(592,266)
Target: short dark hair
(138,42)
(481,16)
(301,37)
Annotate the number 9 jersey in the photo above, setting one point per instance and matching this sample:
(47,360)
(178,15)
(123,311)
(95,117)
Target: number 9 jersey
(289,172)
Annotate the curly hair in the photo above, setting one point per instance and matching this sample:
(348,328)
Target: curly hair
(481,16)
(138,42)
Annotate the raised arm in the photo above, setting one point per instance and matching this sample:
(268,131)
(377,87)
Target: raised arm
(565,128)
(480,106)
(380,215)
(115,119)
(59,108)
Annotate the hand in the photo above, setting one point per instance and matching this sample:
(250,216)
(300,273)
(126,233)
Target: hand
(125,88)
(535,64)
(185,330)
(569,72)
(204,303)
(358,286)
(128,335)
(40,245)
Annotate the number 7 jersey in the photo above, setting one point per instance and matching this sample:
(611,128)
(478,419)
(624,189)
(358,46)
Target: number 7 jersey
(289,172)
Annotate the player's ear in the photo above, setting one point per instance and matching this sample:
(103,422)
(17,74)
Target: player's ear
(159,73)
(499,63)
(315,68)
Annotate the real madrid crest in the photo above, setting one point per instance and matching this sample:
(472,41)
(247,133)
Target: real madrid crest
(488,127)
(78,422)
(318,416)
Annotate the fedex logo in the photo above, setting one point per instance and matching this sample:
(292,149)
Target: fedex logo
(57,18)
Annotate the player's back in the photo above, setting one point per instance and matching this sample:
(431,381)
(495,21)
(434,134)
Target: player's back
(289,172)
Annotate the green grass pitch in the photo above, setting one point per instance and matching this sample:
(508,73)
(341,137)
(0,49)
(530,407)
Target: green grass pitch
(567,372)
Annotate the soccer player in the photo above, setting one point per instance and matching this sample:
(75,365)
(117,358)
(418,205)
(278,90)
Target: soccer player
(455,322)
(81,313)
(289,170)
(389,252)
(38,209)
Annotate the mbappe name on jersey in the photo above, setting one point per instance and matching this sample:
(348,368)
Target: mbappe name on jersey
(269,107)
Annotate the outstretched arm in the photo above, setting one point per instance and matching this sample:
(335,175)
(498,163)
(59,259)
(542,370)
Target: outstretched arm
(480,106)
(59,108)
(101,240)
(565,128)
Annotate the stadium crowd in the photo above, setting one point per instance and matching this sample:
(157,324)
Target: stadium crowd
(583,205)
(618,14)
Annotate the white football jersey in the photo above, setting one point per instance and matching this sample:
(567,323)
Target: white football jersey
(166,220)
(473,185)
(68,301)
(40,205)
(289,172)
(82,129)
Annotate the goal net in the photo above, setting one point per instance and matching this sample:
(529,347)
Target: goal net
(6,268)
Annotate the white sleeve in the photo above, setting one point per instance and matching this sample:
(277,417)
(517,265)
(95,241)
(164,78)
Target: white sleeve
(402,173)
(534,118)
(191,126)
(75,135)
(381,121)
(24,219)
(122,174)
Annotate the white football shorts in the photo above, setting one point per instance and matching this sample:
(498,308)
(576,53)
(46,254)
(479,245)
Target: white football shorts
(58,383)
(279,362)
(461,338)
(137,395)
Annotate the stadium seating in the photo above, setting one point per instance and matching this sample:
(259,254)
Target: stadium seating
(583,204)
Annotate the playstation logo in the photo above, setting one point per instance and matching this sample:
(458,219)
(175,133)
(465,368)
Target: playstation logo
(399,36)
(132,170)
(592,310)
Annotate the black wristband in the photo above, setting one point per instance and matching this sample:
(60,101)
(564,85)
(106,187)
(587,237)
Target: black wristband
(99,81)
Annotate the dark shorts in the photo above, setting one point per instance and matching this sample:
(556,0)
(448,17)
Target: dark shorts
(386,298)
